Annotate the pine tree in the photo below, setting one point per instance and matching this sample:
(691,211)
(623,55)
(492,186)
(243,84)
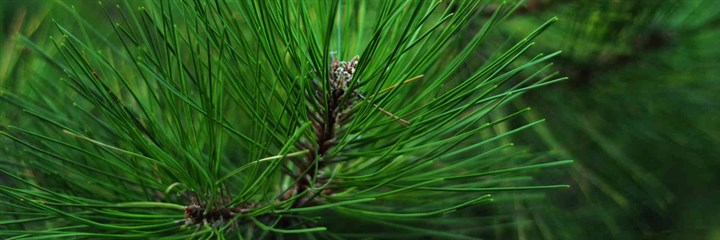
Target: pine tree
(269,119)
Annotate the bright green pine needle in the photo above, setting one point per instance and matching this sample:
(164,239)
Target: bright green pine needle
(218,119)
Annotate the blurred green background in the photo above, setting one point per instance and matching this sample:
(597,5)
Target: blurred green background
(639,113)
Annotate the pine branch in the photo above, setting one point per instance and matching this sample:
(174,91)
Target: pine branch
(238,116)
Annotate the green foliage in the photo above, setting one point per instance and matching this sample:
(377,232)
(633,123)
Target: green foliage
(193,119)
(639,115)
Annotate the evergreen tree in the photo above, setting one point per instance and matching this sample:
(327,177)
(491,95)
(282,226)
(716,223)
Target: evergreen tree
(267,119)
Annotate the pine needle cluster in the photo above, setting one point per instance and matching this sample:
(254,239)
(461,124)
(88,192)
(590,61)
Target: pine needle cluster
(237,119)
